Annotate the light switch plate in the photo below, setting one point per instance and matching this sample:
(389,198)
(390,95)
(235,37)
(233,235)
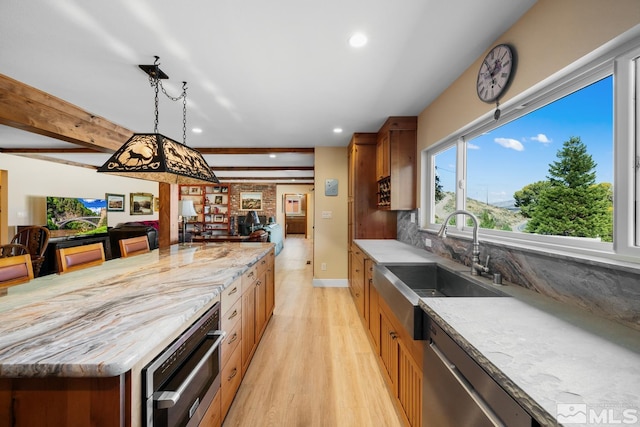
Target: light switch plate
(331,187)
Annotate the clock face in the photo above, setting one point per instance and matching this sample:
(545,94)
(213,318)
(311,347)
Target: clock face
(495,73)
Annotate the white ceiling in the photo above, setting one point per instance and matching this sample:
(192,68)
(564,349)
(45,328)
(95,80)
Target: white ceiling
(260,73)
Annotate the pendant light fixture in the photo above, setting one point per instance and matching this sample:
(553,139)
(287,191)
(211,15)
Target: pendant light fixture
(155,157)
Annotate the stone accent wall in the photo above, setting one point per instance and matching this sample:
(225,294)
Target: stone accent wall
(604,289)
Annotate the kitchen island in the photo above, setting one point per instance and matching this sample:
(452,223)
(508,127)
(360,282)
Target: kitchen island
(95,329)
(557,361)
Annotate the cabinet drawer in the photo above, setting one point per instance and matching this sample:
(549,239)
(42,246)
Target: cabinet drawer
(230,296)
(230,380)
(231,341)
(231,316)
(262,265)
(249,278)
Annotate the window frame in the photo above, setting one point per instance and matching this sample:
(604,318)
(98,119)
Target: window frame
(618,58)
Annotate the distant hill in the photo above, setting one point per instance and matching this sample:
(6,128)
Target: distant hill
(505,215)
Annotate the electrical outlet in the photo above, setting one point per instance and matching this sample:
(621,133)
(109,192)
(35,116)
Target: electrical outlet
(427,242)
(413,217)
(323,266)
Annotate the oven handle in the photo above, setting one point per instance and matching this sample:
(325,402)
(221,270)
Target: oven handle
(168,399)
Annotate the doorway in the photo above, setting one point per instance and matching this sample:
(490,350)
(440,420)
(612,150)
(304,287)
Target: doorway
(295,210)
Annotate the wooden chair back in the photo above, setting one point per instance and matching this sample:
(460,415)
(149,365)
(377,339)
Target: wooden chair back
(13,249)
(79,257)
(134,246)
(15,270)
(36,239)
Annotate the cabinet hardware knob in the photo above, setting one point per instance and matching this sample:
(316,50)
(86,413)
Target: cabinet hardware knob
(233,374)
(233,338)
(393,335)
(233,291)
(234,314)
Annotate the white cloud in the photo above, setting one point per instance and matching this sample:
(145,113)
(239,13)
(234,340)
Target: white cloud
(541,137)
(471,146)
(511,143)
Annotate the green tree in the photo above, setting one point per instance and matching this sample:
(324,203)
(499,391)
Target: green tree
(527,198)
(572,204)
(438,189)
(487,220)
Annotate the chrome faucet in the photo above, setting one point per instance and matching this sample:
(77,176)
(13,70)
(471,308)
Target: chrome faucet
(476,267)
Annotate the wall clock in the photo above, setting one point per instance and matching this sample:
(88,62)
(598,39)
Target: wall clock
(495,74)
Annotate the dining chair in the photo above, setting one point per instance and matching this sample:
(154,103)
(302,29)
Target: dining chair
(134,246)
(13,249)
(14,270)
(36,239)
(79,257)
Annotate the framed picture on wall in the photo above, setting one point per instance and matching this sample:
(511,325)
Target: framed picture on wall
(115,202)
(251,201)
(141,204)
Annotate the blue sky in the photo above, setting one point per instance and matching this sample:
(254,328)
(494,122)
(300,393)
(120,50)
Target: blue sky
(519,153)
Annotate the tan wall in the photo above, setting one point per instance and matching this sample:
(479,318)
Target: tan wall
(550,36)
(330,234)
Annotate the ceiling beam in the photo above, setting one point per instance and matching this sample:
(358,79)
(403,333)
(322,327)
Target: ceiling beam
(263,168)
(78,150)
(265,178)
(254,150)
(30,109)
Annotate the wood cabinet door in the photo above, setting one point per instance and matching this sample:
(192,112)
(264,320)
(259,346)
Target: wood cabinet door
(382,156)
(248,326)
(374,318)
(271,284)
(260,306)
(409,385)
(389,352)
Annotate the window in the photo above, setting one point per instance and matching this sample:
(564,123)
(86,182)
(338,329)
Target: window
(546,173)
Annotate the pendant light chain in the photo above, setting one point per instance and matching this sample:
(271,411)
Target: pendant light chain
(156,83)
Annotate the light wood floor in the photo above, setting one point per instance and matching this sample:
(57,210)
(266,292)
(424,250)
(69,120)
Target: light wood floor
(314,365)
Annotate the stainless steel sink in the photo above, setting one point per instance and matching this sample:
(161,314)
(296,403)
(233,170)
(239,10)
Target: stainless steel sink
(403,285)
(432,280)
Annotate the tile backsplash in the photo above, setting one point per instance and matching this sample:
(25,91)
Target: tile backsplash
(609,291)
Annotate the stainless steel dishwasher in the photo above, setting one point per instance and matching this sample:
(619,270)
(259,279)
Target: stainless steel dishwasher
(458,392)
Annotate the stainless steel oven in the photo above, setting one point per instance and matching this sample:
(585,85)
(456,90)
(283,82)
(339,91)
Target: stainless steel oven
(179,385)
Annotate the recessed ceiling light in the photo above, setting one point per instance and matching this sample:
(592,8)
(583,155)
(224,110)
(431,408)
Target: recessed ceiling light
(273,156)
(358,40)
(337,130)
(196,130)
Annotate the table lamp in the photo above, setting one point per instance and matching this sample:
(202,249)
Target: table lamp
(252,219)
(187,210)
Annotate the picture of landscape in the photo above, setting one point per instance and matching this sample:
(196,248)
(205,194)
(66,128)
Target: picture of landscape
(68,216)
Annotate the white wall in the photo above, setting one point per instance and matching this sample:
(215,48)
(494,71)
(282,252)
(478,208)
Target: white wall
(30,181)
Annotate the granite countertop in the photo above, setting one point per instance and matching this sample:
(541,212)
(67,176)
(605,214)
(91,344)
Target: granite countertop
(551,357)
(101,321)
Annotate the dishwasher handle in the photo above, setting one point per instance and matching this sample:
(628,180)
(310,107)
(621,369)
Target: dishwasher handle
(451,367)
(168,399)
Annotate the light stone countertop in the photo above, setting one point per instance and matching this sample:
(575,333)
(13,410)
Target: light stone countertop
(101,321)
(547,355)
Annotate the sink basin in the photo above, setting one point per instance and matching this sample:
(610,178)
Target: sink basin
(402,286)
(431,280)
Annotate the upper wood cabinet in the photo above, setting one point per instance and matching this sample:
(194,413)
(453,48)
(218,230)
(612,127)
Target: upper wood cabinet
(396,147)
(365,221)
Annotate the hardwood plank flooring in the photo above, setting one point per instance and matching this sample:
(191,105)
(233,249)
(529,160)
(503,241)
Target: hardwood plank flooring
(314,365)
